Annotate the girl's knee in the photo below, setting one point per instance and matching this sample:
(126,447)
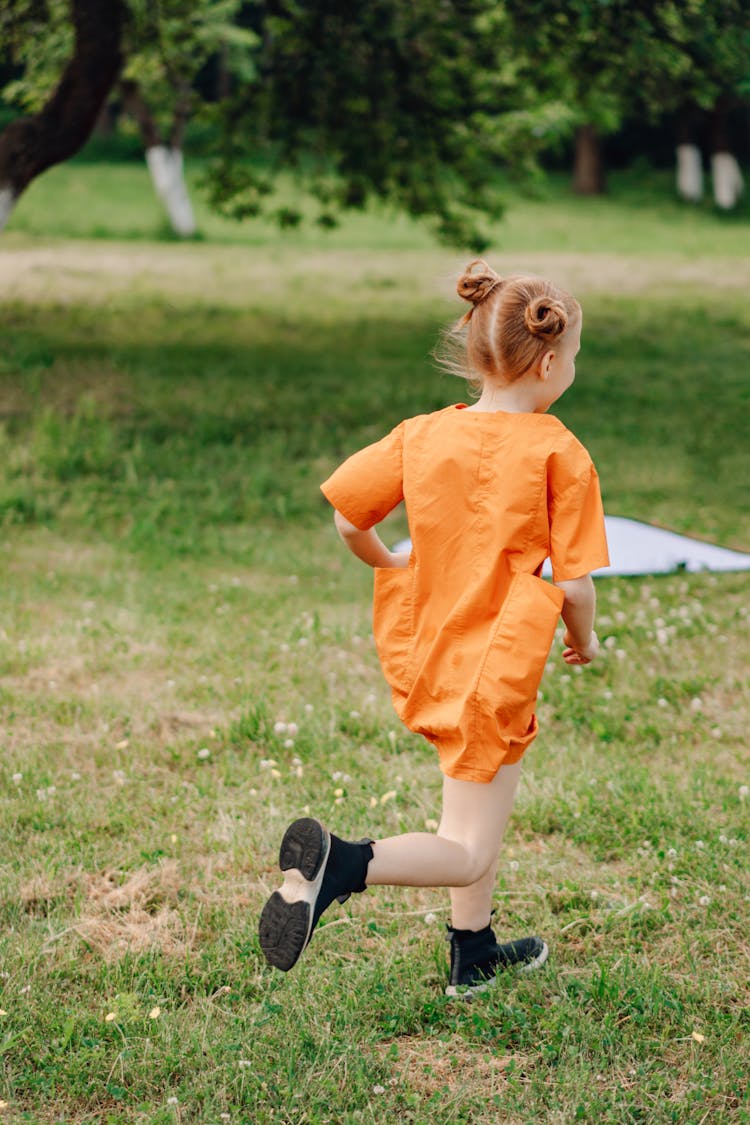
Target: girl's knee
(478,860)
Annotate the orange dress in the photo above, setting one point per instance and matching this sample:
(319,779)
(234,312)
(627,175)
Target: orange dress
(464,632)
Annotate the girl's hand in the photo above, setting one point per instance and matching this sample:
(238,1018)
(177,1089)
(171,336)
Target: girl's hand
(580,654)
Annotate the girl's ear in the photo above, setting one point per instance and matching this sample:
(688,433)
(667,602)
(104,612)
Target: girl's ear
(545,363)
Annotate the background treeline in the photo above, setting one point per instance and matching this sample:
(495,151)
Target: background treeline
(415,103)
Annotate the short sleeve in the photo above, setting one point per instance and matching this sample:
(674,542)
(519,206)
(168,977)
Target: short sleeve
(578,541)
(370,483)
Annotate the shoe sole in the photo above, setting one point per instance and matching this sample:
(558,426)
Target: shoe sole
(285,923)
(466,991)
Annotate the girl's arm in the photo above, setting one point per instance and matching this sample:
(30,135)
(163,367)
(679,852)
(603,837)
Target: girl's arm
(367,545)
(579,608)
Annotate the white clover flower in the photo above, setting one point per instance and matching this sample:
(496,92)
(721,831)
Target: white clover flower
(431,824)
(279,727)
(173,1100)
(244,1064)
(514,864)
(672,853)
(743,792)
(338,792)
(704,900)
(388,796)
(288,743)
(662,636)
(204,753)
(723,840)
(610,642)
(696,704)
(661,703)
(292,729)
(275,774)
(378,1089)
(309,708)
(18,778)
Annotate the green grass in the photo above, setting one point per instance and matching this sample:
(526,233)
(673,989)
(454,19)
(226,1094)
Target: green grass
(174,591)
(640,214)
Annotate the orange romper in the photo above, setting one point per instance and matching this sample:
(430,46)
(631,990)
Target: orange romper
(464,632)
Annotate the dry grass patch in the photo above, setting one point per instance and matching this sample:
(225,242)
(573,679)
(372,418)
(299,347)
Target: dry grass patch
(138,913)
(426,1064)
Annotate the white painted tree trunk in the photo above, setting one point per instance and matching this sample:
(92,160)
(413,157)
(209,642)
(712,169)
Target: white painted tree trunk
(689,173)
(727,178)
(166,168)
(7,203)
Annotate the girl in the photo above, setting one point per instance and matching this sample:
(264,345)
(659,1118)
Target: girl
(464,623)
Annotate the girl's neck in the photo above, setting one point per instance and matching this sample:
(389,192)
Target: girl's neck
(510,398)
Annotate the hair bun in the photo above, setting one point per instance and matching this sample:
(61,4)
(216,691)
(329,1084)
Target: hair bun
(545,316)
(476,287)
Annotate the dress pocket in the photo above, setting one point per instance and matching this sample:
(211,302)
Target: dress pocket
(512,668)
(393,624)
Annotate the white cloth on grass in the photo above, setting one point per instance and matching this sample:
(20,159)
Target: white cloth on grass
(639,548)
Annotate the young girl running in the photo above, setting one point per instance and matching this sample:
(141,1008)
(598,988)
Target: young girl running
(464,623)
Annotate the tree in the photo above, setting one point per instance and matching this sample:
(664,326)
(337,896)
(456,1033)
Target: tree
(414,103)
(609,59)
(167,47)
(703,76)
(64,121)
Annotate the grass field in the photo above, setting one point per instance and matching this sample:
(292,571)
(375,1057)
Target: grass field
(187,665)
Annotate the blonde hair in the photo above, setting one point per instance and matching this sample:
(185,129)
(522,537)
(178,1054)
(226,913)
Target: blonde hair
(512,322)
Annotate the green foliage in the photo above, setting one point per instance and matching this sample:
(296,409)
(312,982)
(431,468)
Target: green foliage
(37,38)
(167,46)
(415,104)
(607,60)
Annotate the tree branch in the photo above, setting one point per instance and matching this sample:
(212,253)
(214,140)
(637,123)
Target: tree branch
(30,145)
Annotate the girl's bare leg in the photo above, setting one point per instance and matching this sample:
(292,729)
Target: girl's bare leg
(463,854)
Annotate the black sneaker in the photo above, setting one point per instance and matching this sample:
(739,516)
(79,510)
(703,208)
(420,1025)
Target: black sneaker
(477,958)
(319,868)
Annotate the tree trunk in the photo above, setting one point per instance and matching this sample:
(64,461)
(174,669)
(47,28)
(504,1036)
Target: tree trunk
(588,171)
(164,162)
(689,171)
(727,178)
(166,168)
(30,145)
